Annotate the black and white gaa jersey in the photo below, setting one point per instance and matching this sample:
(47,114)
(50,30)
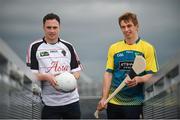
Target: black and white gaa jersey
(54,59)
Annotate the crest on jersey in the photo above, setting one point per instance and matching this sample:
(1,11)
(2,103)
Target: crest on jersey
(63,52)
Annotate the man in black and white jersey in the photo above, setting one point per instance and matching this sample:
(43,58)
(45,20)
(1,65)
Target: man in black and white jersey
(48,57)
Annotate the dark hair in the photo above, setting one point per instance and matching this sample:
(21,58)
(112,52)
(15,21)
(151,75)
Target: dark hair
(127,17)
(51,16)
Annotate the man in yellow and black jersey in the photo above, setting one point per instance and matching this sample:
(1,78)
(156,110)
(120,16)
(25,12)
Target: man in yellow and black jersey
(128,102)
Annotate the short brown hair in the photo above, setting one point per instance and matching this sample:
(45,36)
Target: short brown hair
(51,16)
(128,16)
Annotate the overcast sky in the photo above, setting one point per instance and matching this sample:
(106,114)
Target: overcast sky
(91,25)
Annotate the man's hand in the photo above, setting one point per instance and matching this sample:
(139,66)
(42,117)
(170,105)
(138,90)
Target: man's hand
(101,105)
(133,82)
(51,79)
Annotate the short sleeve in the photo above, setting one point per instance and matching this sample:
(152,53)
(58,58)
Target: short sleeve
(110,60)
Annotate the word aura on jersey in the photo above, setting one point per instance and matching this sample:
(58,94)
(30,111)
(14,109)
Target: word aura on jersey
(56,67)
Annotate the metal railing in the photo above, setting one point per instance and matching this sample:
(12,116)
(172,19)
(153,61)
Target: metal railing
(162,93)
(19,91)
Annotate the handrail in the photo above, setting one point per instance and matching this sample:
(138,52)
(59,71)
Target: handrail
(165,78)
(17,70)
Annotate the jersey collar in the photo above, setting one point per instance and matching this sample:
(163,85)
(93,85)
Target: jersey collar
(46,42)
(136,40)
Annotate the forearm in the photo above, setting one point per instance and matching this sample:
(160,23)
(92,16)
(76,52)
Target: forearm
(42,76)
(106,85)
(145,78)
(46,77)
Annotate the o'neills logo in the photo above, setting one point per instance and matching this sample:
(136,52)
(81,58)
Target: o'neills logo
(56,67)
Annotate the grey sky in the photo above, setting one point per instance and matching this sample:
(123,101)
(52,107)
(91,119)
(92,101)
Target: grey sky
(91,25)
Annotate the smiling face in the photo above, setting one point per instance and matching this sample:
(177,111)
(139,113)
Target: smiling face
(128,23)
(129,30)
(51,30)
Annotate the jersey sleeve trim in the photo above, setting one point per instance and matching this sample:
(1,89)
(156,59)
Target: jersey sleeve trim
(33,62)
(76,69)
(109,70)
(150,72)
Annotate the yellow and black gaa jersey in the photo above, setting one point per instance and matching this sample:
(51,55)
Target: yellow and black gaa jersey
(120,60)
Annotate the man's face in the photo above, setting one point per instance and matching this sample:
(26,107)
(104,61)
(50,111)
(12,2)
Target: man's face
(129,30)
(51,29)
